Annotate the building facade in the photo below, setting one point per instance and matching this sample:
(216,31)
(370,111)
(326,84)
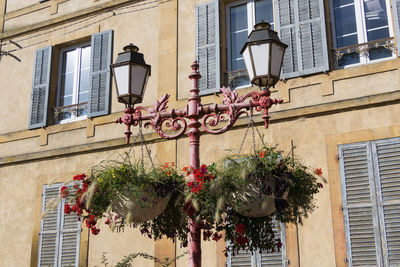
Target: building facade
(340,86)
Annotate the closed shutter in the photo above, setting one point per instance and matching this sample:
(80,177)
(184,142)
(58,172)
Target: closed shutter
(276,258)
(69,236)
(396,22)
(207,46)
(40,88)
(359,205)
(242,259)
(301,25)
(48,240)
(100,81)
(262,259)
(388,171)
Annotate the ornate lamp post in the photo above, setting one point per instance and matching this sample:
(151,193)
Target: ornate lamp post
(263,54)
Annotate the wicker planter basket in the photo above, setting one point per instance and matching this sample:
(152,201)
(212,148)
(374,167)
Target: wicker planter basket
(151,207)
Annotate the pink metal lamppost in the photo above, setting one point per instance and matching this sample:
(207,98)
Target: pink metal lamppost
(263,55)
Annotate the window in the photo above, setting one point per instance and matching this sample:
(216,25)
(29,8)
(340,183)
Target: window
(370,178)
(73,83)
(59,233)
(363,31)
(262,259)
(83,82)
(240,19)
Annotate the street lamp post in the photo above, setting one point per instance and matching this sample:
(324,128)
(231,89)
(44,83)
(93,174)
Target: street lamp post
(130,65)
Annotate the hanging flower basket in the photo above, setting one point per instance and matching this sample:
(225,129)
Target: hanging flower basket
(259,197)
(125,189)
(151,205)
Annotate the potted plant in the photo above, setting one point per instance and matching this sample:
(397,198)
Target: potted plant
(123,192)
(242,195)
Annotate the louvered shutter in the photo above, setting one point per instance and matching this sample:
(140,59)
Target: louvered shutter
(40,88)
(396,22)
(69,236)
(207,46)
(276,258)
(388,171)
(49,228)
(100,75)
(242,259)
(301,25)
(359,205)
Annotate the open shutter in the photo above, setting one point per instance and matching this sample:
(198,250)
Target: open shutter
(301,25)
(207,46)
(48,240)
(69,236)
(359,205)
(40,88)
(276,258)
(396,22)
(388,171)
(100,81)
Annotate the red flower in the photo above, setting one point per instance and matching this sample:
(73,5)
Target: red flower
(318,171)
(67,208)
(262,154)
(241,240)
(320,185)
(94,230)
(64,191)
(216,237)
(240,228)
(79,177)
(279,244)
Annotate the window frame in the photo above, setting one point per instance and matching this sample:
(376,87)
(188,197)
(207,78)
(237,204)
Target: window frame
(361,33)
(251,17)
(76,87)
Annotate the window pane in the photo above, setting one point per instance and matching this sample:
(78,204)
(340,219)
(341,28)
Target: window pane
(84,85)
(345,23)
(66,101)
(69,59)
(265,12)
(376,19)
(237,42)
(85,60)
(238,18)
(346,40)
(379,52)
(67,84)
(348,59)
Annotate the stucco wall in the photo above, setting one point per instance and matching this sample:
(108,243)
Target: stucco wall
(355,104)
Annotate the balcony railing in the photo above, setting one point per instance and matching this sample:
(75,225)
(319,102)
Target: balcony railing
(70,112)
(364,49)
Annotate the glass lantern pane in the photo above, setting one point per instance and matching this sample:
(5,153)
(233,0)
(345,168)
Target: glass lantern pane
(261,58)
(139,75)
(249,65)
(276,59)
(122,79)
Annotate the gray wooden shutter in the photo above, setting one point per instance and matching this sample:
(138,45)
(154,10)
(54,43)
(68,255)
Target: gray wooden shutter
(276,258)
(100,81)
(396,22)
(359,205)
(388,170)
(40,88)
(70,233)
(49,228)
(301,25)
(207,46)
